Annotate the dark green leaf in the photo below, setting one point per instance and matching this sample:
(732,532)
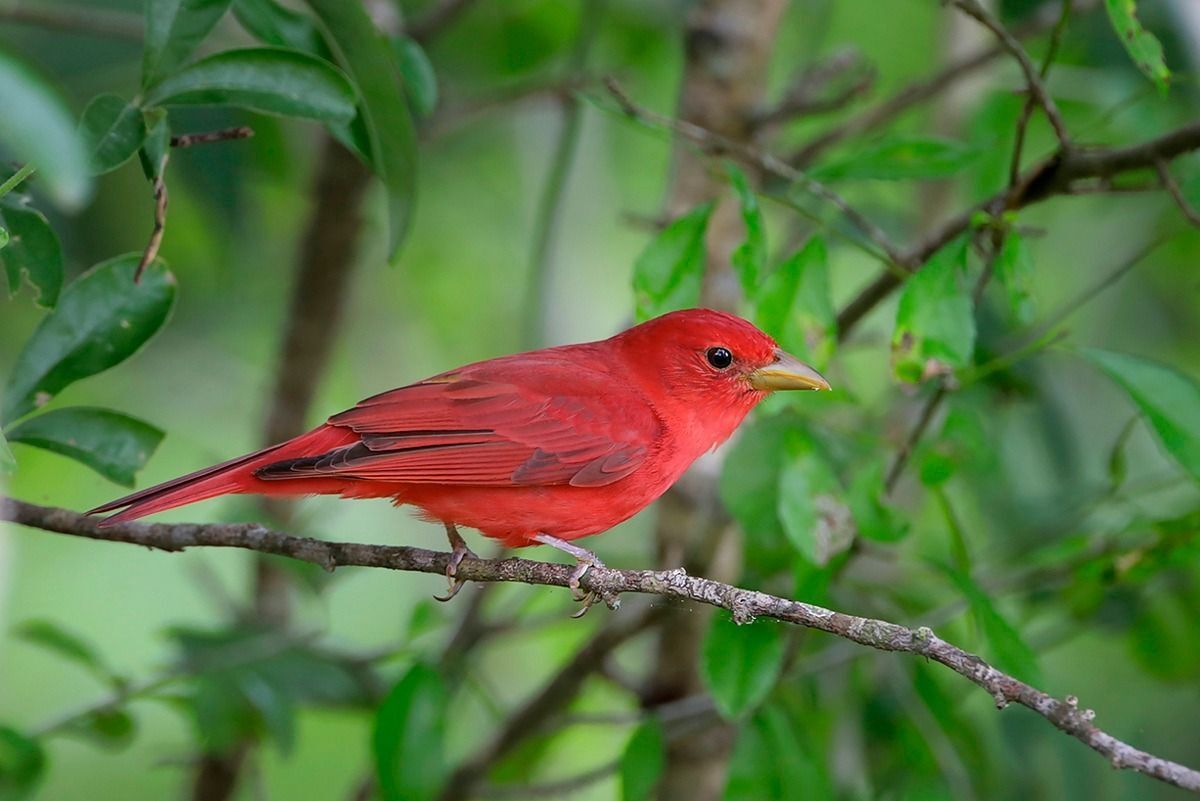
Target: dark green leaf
(642,761)
(750,258)
(1014,272)
(795,304)
(157,144)
(270,80)
(901,160)
(33,251)
(112,131)
(774,759)
(1142,46)
(277,25)
(812,509)
(1117,467)
(384,114)
(935,321)
(113,444)
(37,128)
(668,273)
(740,664)
(54,638)
(420,81)
(1169,398)
(409,736)
(1011,653)
(102,318)
(873,518)
(22,763)
(111,728)
(173,30)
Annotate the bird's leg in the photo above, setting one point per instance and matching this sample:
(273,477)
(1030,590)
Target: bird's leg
(584,560)
(459,551)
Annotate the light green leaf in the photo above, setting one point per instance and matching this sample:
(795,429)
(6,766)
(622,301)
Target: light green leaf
(669,272)
(4,237)
(383,113)
(935,321)
(22,763)
(1169,399)
(812,509)
(173,30)
(113,444)
(33,251)
(420,81)
(270,80)
(642,761)
(740,664)
(903,159)
(409,737)
(1014,272)
(112,130)
(277,25)
(55,638)
(795,304)
(102,318)
(37,127)
(1010,652)
(750,258)
(1143,47)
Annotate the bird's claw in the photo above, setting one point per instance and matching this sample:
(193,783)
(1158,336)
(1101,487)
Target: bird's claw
(460,552)
(586,598)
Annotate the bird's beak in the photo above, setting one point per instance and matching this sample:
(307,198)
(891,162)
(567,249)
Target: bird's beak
(787,372)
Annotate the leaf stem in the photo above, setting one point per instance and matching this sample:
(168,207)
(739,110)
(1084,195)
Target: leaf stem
(16,179)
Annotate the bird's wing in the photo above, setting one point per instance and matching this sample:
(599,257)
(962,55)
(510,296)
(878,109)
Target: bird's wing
(502,423)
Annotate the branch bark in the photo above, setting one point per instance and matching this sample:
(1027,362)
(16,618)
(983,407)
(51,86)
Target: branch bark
(1064,714)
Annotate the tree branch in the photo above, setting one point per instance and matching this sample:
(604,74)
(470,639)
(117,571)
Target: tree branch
(745,605)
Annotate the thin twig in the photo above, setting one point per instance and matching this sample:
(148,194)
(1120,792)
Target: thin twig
(809,95)
(160,217)
(745,605)
(206,137)
(1169,183)
(1037,88)
(1014,167)
(77,18)
(554,787)
(910,442)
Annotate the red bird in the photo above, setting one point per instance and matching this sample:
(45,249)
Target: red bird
(540,447)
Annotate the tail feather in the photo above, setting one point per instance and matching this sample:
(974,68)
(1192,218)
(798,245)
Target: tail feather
(233,476)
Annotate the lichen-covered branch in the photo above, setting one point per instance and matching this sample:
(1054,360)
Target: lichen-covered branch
(745,605)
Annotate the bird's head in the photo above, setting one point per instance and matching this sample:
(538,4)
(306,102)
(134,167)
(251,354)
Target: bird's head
(702,356)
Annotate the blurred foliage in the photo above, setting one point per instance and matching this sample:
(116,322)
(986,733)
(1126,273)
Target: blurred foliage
(1046,516)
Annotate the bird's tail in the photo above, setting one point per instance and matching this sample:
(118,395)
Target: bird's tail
(234,476)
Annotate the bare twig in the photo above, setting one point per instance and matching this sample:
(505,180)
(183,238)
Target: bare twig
(1037,88)
(160,218)
(205,137)
(745,605)
(555,788)
(1014,168)
(810,93)
(1172,186)
(910,442)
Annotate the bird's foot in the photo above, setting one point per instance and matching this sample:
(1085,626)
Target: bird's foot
(459,551)
(585,560)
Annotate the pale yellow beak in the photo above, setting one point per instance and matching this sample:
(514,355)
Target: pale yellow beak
(787,372)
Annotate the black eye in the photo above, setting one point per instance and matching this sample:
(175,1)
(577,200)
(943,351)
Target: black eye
(719,358)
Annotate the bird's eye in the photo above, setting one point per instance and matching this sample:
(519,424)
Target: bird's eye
(719,358)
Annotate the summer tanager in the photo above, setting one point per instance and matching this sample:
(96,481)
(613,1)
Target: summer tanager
(540,447)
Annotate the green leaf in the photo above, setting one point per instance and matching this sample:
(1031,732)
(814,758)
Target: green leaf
(1142,46)
(112,130)
(903,159)
(174,28)
(102,318)
(795,304)
(935,321)
(642,761)
(1168,398)
(113,444)
(54,638)
(383,112)
(4,237)
(873,518)
(815,517)
(669,272)
(740,664)
(37,127)
(420,81)
(22,763)
(33,251)
(1010,652)
(270,80)
(750,258)
(111,728)
(7,462)
(1014,272)
(277,25)
(409,736)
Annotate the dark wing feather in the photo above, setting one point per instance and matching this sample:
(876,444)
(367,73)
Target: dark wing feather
(509,422)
